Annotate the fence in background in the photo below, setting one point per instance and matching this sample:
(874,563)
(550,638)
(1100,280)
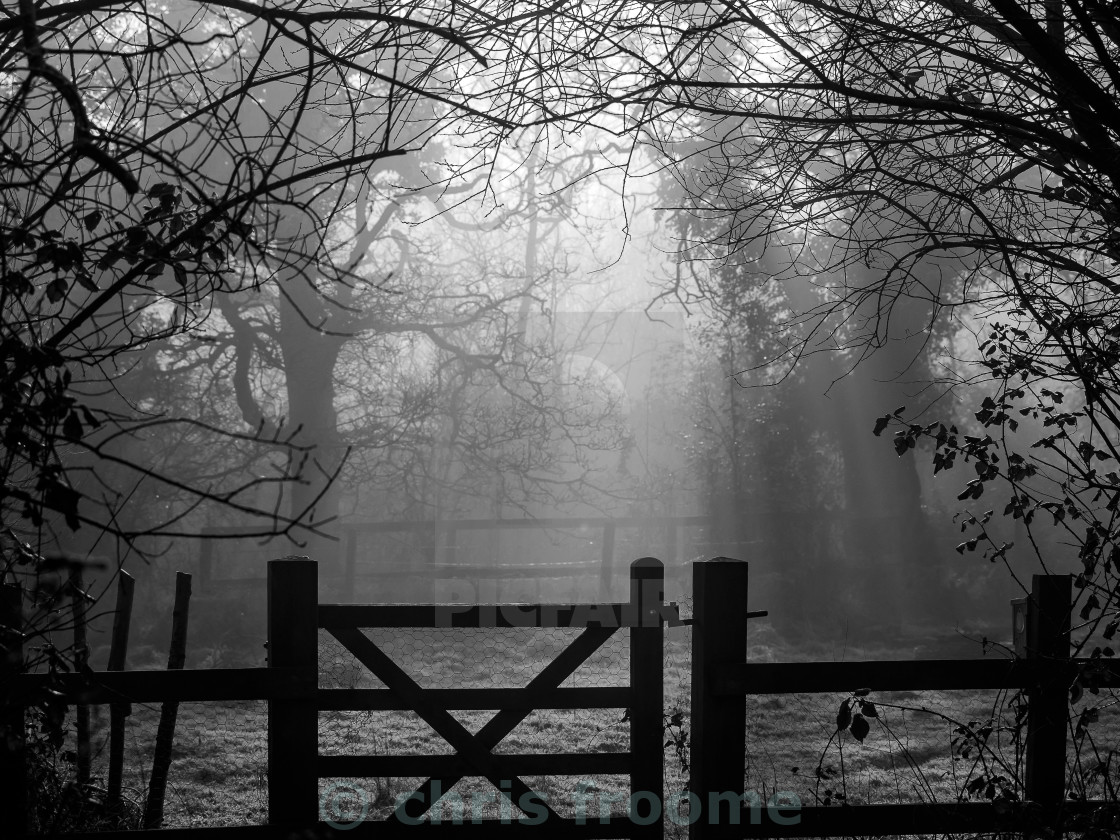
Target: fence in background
(722,678)
(437,550)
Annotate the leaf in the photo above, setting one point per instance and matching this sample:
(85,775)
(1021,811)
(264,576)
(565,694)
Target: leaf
(92,220)
(63,499)
(72,426)
(844,715)
(868,709)
(161,189)
(898,411)
(860,727)
(56,289)
(86,281)
(180,274)
(861,692)
(880,424)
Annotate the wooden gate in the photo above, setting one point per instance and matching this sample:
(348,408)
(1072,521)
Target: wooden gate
(295,766)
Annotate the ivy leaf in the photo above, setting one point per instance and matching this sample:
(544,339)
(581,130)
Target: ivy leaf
(86,281)
(860,727)
(880,424)
(92,220)
(64,499)
(56,289)
(844,715)
(868,709)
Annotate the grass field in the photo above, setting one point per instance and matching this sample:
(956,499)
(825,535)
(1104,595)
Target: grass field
(218,776)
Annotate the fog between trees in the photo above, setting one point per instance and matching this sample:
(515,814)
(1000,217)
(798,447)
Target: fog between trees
(283,267)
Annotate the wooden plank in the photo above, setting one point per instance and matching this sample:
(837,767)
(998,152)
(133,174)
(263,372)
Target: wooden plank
(885,675)
(814,821)
(383,830)
(118,653)
(293,725)
(543,764)
(446,726)
(464,615)
(504,722)
(719,639)
(216,684)
(1048,625)
(647,687)
(224,832)
(169,711)
(908,819)
(522,699)
(555,829)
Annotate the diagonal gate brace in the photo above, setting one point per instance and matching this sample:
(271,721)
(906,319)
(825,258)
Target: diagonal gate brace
(476,749)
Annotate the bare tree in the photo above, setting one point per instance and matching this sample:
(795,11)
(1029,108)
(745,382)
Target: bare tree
(153,159)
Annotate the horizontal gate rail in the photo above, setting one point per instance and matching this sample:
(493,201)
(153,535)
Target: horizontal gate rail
(518,764)
(589,829)
(906,675)
(913,818)
(482,699)
(218,684)
(485,615)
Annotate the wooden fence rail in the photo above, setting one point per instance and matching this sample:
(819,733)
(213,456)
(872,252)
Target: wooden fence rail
(721,679)
(443,534)
(290,685)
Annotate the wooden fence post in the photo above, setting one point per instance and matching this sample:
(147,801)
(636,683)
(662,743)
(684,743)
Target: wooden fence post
(719,638)
(293,723)
(169,711)
(606,569)
(13,758)
(647,723)
(1048,626)
(118,657)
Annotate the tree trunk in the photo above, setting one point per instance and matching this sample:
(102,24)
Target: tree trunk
(310,355)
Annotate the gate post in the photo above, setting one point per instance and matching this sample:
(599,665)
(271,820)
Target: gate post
(1048,626)
(719,731)
(647,690)
(293,722)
